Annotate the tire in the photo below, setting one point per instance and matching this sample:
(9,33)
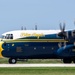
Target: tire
(12,61)
(73,60)
(67,60)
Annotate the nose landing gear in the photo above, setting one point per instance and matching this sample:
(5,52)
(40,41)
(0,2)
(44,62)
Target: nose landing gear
(12,61)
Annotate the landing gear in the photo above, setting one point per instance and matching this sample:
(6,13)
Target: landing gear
(67,60)
(12,61)
(74,60)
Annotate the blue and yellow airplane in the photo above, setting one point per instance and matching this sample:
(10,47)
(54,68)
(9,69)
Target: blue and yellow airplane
(38,44)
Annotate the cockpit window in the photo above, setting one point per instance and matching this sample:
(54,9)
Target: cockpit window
(8,36)
(3,37)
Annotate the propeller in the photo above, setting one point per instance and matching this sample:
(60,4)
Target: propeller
(63,32)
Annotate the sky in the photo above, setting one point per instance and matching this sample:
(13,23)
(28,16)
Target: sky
(46,14)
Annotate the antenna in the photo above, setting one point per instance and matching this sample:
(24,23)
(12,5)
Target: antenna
(35,27)
(25,28)
(22,28)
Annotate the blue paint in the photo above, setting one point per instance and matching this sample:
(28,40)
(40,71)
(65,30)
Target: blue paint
(39,50)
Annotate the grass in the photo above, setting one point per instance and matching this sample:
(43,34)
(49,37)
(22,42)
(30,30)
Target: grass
(5,61)
(38,71)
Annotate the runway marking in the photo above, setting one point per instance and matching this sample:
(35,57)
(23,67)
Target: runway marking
(37,65)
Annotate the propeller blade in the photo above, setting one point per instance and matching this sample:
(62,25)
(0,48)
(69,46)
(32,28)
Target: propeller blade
(60,26)
(64,26)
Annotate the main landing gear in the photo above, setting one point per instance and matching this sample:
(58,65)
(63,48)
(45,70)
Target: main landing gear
(68,60)
(12,61)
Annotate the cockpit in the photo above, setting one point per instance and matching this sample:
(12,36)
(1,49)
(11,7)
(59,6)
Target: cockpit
(7,36)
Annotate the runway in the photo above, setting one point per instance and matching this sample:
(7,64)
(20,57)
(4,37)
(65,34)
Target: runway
(37,65)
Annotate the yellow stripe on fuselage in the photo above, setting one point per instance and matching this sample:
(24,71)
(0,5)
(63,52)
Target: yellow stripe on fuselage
(36,40)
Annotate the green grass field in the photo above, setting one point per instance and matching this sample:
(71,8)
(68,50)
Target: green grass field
(37,71)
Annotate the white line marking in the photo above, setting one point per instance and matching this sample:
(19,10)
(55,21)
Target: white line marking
(37,65)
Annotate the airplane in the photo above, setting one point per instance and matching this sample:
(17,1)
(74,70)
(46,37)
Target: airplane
(38,44)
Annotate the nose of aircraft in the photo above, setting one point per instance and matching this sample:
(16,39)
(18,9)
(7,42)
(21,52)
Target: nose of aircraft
(1,49)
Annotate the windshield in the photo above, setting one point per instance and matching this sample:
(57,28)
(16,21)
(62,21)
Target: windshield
(8,36)
(3,37)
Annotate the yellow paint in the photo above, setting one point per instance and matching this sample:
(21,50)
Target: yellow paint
(37,40)
(1,49)
(34,34)
(12,44)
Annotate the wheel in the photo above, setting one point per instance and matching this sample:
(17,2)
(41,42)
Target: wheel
(12,61)
(67,60)
(73,60)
